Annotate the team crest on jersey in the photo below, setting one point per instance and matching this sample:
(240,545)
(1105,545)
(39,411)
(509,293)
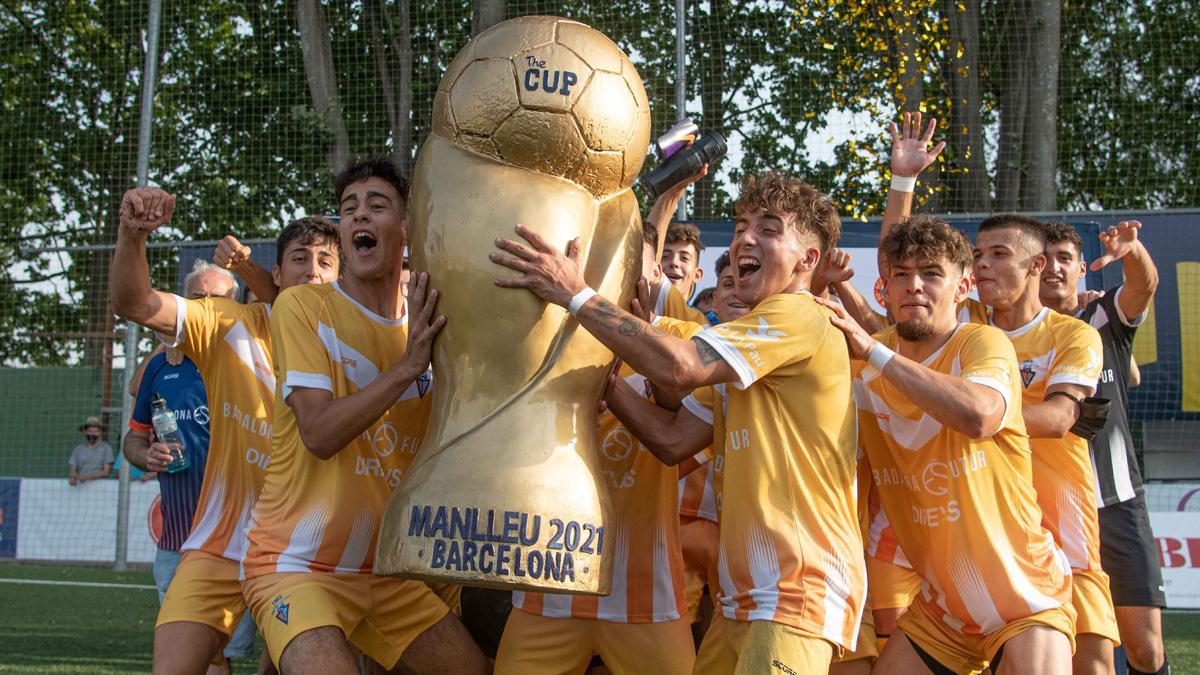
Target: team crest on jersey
(1028,372)
(279,608)
(423,382)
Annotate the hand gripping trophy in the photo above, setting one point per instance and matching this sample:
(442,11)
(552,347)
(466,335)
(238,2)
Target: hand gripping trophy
(540,121)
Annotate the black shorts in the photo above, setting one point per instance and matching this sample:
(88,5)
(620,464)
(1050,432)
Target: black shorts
(1129,556)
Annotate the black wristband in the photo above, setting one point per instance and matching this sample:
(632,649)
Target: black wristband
(1069,395)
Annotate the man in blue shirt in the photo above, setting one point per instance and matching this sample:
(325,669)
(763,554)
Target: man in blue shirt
(182,387)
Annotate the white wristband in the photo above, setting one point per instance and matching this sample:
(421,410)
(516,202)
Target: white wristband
(904,183)
(580,300)
(880,356)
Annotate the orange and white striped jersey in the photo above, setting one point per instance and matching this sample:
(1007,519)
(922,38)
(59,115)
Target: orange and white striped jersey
(880,538)
(230,344)
(964,510)
(1055,349)
(791,548)
(648,573)
(974,311)
(317,515)
(697,498)
(671,303)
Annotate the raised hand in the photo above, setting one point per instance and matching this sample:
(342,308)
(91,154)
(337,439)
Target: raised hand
(230,252)
(1118,241)
(641,306)
(547,272)
(910,147)
(858,340)
(423,327)
(835,268)
(146,209)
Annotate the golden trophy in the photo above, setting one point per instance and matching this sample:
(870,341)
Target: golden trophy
(541,121)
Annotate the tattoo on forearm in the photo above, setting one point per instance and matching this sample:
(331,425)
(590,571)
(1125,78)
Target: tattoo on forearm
(705,351)
(606,309)
(629,328)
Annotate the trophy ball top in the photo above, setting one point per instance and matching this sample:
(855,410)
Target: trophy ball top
(550,95)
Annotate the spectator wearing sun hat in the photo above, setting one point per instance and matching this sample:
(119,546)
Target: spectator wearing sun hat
(92,458)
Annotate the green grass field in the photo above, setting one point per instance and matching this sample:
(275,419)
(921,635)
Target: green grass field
(82,629)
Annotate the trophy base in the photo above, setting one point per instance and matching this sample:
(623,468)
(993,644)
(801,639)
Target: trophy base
(539,527)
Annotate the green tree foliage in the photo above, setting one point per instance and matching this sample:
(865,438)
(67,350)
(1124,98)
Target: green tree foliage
(803,87)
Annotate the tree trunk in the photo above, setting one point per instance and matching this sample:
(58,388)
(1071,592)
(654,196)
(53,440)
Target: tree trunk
(1041,127)
(322,79)
(967,180)
(909,64)
(393,63)
(709,37)
(487,13)
(1014,100)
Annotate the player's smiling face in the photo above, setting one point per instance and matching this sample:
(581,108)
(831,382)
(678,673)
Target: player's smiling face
(1063,267)
(725,302)
(312,263)
(769,255)
(1005,265)
(373,229)
(679,263)
(923,296)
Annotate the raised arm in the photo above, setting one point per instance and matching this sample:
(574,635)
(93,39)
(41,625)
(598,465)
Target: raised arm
(964,406)
(672,436)
(233,255)
(143,210)
(1141,276)
(328,424)
(910,156)
(554,277)
(664,208)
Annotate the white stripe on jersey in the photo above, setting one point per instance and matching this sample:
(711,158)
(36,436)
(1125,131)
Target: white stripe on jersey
(837,590)
(1071,526)
(359,542)
(764,572)
(1037,601)
(972,589)
(1120,467)
(358,369)
(908,434)
(614,606)
(206,523)
(251,354)
(665,607)
(239,542)
(306,539)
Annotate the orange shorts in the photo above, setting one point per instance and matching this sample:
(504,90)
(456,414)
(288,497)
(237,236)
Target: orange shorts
(379,615)
(533,643)
(1093,605)
(971,653)
(866,647)
(890,585)
(205,590)
(744,647)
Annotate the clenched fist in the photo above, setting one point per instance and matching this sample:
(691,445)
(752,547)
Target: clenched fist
(230,252)
(146,209)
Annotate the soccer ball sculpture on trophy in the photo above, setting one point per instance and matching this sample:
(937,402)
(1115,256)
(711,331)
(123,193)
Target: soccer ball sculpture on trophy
(541,121)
